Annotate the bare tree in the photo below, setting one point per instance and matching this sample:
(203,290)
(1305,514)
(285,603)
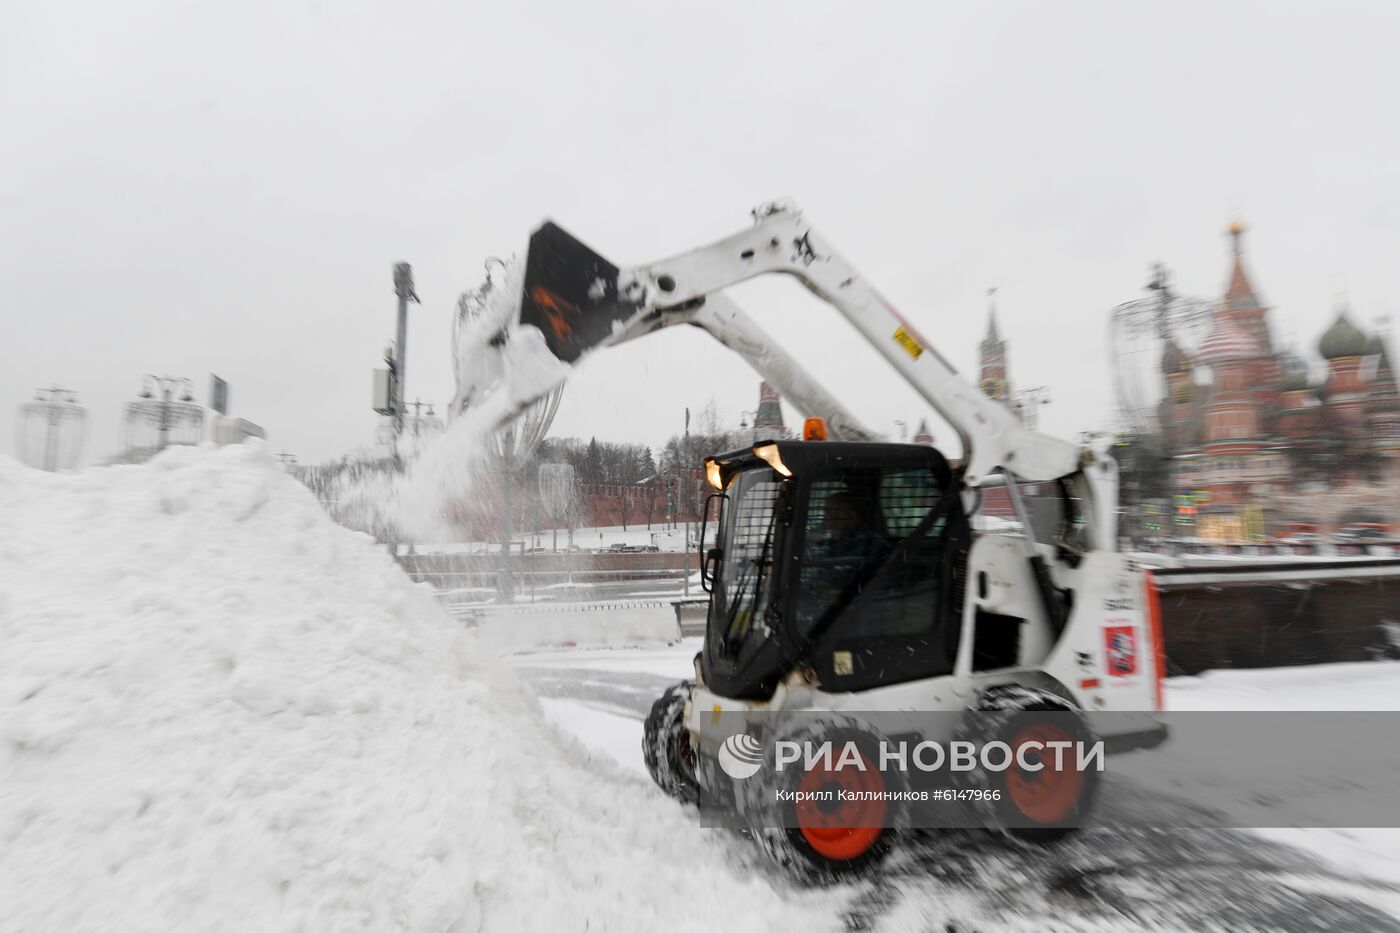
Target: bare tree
(708,422)
(558,494)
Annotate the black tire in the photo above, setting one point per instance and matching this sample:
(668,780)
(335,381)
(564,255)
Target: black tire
(816,854)
(1029,807)
(666,745)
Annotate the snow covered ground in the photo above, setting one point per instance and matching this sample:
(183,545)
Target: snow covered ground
(634,623)
(1315,688)
(603,722)
(219,711)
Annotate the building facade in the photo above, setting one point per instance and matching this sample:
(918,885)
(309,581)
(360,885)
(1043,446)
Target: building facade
(768,422)
(1248,423)
(992,376)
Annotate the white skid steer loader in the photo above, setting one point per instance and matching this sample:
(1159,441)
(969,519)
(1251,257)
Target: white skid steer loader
(846,577)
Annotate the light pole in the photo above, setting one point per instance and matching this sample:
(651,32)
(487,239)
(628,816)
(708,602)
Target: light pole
(165,386)
(56,414)
(744,417)
(505,590)
(399,364)
(683,499)
(1028,402)
(403,289)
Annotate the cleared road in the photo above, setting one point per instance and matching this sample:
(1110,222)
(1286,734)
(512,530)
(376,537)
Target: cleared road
(970,882)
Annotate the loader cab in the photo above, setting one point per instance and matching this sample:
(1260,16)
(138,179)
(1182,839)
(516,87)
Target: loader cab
(844,559)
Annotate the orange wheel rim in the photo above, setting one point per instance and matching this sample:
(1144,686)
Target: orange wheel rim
(1050,794)
(840,829)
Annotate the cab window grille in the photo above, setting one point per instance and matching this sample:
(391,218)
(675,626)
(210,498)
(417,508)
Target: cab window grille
(748,560)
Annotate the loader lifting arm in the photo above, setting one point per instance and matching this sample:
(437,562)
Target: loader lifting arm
(580,301)
(728,323)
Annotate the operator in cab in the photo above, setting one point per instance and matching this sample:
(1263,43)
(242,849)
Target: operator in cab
(844,549)
(851,529)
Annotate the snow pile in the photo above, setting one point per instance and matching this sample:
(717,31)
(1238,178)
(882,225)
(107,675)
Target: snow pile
(220,711)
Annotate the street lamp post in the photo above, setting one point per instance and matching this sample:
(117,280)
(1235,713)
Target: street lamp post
(505,590)
(684,500)
(165,386)
(403,288)
(1028,402)
(51,435)
(744,417)
(56,415)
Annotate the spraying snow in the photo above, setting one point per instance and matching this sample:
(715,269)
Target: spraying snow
(220,711)
(501,367)
(485,317)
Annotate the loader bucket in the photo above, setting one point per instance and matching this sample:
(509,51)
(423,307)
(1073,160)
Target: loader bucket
(571,293)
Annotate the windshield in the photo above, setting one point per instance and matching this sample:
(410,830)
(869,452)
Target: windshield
(745,577)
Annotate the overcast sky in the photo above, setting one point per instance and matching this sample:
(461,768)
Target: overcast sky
(196,188)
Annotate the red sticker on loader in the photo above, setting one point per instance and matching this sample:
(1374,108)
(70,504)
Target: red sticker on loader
(1121,650)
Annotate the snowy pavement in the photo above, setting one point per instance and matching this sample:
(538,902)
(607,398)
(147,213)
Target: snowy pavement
(1284,880)
(220,711)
